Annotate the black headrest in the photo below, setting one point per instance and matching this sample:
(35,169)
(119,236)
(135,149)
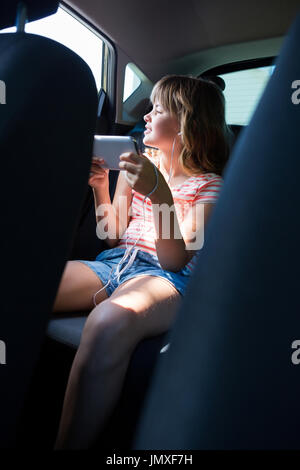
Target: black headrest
(36,9)
(215,79)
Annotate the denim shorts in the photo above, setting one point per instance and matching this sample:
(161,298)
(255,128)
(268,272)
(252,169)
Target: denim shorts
(144,264)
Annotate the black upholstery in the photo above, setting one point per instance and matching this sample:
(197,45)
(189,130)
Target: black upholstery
(228,381)
(215,79)
(67,329)
(46,137)
(63,335)
(236,129)
(36,9)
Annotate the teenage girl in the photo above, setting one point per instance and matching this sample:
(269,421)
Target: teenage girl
(134,288)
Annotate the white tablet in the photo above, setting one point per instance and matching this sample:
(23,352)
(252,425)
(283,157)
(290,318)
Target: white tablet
(110,147)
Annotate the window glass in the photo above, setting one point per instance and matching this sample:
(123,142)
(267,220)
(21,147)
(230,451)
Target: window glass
(64,28)
(131,82)
(242,92)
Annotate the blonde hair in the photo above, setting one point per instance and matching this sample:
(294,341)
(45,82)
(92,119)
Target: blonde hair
(200,107)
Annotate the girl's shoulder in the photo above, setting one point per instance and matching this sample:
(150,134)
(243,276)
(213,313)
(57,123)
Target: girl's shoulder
(197,186)
(208,177)
(198,181)
(208,180)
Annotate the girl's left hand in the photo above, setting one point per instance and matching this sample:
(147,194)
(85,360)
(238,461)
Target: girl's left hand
(140,174)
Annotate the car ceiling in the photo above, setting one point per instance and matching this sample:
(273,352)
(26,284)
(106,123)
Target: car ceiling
(160,32)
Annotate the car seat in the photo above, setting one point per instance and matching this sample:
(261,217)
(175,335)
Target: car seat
(46,135)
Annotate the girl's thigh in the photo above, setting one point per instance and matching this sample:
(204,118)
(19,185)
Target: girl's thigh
(151,301)
(78,285)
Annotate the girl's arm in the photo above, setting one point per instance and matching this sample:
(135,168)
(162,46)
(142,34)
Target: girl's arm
(176,245)
(112,217)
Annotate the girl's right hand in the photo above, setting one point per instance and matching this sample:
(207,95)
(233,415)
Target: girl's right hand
(98,175)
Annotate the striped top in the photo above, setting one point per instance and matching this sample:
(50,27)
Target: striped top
(203,188)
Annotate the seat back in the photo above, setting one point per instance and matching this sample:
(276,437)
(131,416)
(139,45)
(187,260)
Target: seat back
(46,138)
(228,380)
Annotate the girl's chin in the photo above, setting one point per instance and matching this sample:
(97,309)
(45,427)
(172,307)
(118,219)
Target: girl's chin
(148,142)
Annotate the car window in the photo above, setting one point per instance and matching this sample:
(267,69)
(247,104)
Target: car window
(242,92)
(131,82)
(69,31)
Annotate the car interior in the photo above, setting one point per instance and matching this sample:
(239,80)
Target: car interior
(222,378)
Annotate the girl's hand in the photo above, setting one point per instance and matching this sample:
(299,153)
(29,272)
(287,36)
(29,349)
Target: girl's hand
(98,175)
(140,174)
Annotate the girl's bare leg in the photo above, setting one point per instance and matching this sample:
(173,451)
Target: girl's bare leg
(77,287)
(141,307)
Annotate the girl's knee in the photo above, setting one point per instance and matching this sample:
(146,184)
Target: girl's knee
(109,332)
(109,317)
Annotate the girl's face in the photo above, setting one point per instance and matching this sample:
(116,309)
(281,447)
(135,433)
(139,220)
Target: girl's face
(161,128)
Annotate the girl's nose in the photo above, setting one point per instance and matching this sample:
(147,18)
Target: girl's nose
(147,117)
